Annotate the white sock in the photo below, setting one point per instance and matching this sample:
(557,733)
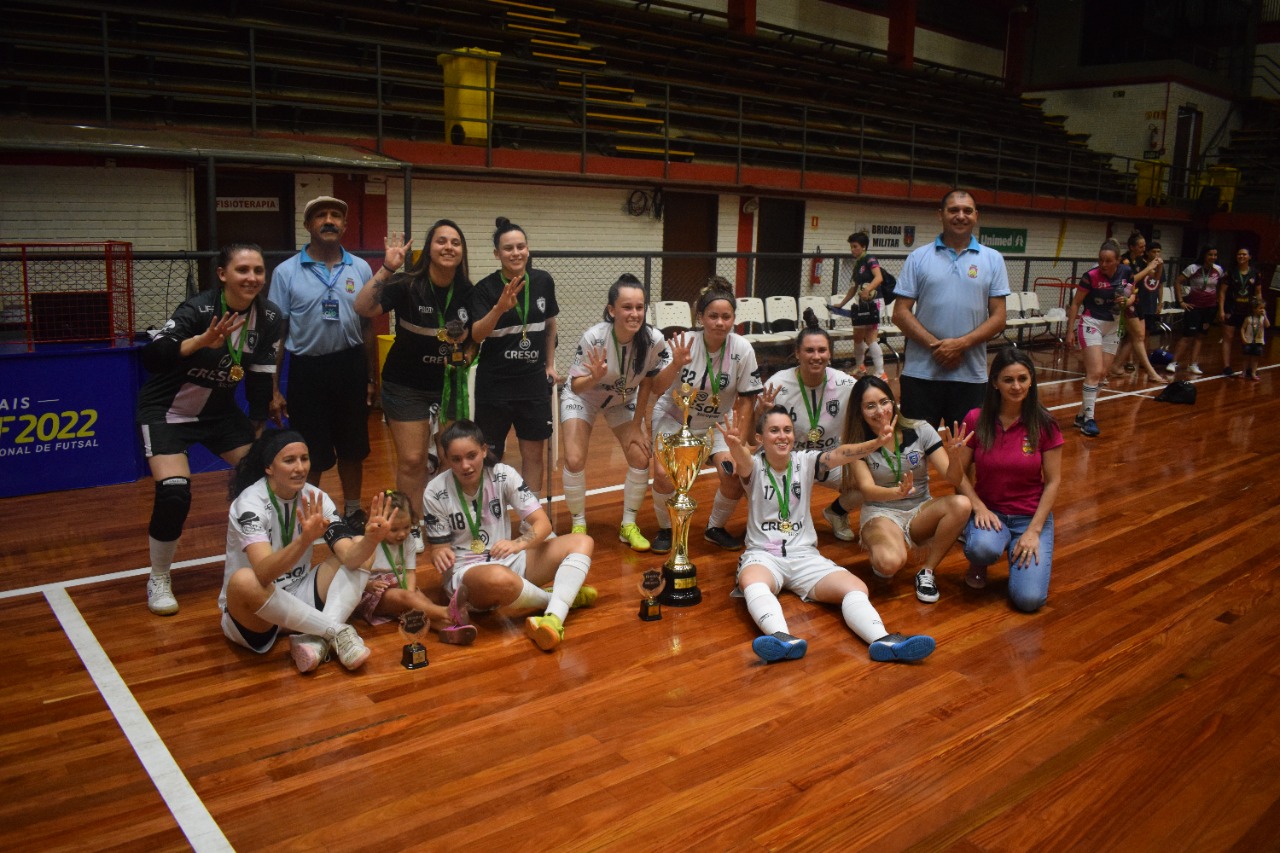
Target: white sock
(660,507)
(161,555)
(344,593)
(1090,398)
(288,612)
(765,609)
(531,598)
(859,353)
(861,616)
(633,489)
(569,579)
(721,510)
(877,358)
(575,494)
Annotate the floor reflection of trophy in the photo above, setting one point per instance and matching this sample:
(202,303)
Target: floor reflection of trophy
(413,624)
(682,455)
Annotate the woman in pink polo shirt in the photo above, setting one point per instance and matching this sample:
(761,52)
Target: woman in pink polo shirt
(1016,448)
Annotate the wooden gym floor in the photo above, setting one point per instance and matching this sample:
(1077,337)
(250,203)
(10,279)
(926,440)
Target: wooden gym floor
(1135,712)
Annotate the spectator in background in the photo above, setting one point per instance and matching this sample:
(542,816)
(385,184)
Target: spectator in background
(1144,313)
(950,303)
(333,353)
(1241,290)
(1196,290)
(864,284)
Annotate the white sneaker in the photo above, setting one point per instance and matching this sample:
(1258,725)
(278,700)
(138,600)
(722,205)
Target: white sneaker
(308,651)
(1195,368)
(839,525)
(350,648)
(418,544)
(1171,367)
(160,598)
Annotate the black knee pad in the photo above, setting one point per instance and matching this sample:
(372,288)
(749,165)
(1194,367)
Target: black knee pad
(169,512)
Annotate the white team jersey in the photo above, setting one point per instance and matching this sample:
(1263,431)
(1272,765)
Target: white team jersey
(403,553)
(918,443)
(763,512)
(614,389)
(252,519)
(738,374)
(501,487)
(831,402)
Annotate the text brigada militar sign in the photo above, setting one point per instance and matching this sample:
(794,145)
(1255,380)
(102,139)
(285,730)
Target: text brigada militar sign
(892,236)
(241,204)
(1004,239)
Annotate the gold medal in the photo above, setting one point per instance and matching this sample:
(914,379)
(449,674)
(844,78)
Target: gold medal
(236,373)
(715,401)
(815,435)
(784,526)
(442,336)
(477,546)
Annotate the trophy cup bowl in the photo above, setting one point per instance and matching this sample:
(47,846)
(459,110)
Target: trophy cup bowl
(413,624)
(682,455)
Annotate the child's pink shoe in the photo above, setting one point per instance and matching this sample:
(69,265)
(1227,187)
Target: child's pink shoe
(461,632)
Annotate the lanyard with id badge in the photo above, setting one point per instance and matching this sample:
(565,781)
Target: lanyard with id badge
(328,305)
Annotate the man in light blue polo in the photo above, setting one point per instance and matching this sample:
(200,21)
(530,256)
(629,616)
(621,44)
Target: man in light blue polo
(957,288)
(332,360)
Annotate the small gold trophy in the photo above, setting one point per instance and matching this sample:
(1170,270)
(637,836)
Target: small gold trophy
(682,455)
(651,586)
(413,624)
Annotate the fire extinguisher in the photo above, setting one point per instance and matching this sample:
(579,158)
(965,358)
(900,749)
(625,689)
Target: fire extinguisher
(816,268)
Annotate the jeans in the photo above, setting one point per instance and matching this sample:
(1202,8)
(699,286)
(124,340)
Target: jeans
(1029,582)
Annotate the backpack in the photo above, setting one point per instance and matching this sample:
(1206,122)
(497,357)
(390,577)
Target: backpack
(1178,392)
(887,284)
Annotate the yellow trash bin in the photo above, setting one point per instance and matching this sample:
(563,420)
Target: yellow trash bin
(1150,182)
(1226,179)
(468,94)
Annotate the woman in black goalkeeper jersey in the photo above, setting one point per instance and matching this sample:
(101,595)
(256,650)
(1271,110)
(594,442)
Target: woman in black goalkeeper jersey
(213,341)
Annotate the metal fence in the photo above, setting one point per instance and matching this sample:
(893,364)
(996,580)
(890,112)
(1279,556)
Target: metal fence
(163,281)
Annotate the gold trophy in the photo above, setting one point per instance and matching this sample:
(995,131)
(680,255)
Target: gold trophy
(682,455)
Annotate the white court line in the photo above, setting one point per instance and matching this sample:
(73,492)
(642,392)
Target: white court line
(188,810)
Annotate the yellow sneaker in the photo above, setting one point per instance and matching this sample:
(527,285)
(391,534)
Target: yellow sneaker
(631,535)
(586,596)
(547,632)
(579,528)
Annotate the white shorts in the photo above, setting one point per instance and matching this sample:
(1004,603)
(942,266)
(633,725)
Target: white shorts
(1100,333)
(799,571)
(666,425)
(616,413)
(515,563)
(305,591)
(900,517)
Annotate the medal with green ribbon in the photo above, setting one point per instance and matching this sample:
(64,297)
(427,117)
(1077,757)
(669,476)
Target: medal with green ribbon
(287,520)
(813,408)
(473,522)
(521,311)
(455,391)
(397,566)
(441,334)
(713,376)
(895,464)
(784,496)
(237,350)
(619,350)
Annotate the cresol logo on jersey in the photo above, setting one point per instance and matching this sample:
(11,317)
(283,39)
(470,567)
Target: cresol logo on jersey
(67,422)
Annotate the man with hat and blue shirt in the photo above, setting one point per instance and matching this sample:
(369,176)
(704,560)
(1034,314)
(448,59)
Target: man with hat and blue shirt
(333,357)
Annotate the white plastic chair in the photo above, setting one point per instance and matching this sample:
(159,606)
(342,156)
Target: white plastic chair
(751,310)
(670,315)
(782,314)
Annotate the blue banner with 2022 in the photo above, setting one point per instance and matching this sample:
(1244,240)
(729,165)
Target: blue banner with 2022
(67,420)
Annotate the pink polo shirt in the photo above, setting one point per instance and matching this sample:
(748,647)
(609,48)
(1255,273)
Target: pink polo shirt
(1009,475)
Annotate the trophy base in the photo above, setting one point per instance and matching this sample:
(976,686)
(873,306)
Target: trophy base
(650,610)
(414,656)
(682,592)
